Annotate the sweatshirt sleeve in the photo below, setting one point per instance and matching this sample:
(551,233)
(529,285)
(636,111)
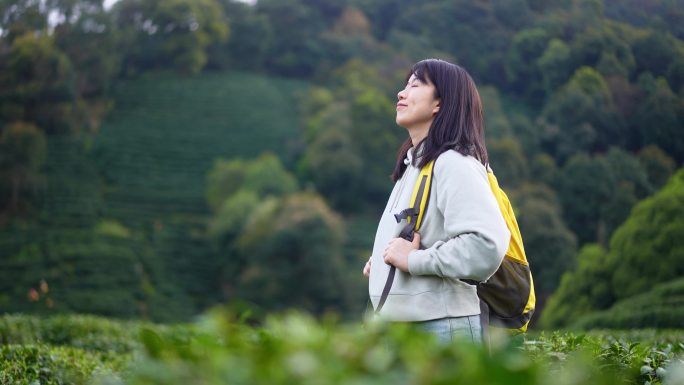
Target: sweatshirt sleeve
(476,234)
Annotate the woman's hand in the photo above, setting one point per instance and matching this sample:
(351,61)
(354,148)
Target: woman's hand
(366,269)
(398,249)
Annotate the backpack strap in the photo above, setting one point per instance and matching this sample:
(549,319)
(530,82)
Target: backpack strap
(414,218)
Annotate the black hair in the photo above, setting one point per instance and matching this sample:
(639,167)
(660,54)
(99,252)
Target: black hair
(459,123)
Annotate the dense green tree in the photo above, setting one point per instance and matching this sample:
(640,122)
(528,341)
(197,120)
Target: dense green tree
(675,75)
(22,155)
(555,65)
(456,27)
(264,177)
(602,49)
(169,34)
(586,288)
(508,161)
(250,41)
(659,116)
(384,14)
(18,18)
(233,214)
(496,121)
(335,167)
(657,308)
(92,47)
(373,133)
(292,250)
(658,15)
(647,249)
(514,14)
(522,59)
(349,38)
(37,86)
(653,52)
(631,185)
(585,185)
(658,165)
(296,47)
(585,113)
(544,169)
(550,246)
(598,193)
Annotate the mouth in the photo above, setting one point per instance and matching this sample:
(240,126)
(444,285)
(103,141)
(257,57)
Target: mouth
(400,105)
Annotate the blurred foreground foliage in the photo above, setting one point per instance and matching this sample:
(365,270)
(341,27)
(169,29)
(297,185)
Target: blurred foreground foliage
(291,348)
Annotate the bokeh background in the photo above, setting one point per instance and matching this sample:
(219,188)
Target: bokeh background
(159,157)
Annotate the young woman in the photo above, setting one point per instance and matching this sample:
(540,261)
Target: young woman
(463,235)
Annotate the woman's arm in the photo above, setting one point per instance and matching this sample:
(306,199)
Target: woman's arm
(476,234)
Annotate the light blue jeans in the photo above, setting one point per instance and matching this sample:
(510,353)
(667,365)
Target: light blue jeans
(446,330)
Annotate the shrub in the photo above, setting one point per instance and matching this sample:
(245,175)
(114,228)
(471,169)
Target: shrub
(50,365)
(85,332)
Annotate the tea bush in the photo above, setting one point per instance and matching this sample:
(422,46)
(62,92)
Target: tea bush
(81,331)
(56,365)
(297,349)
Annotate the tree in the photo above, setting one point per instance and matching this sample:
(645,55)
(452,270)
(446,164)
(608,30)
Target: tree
(654,52)
(264,177)
(549,245)
(37,86)
(658,165)
(647,249)
(601,48)
(496,121)
(554,65)
(294,51)
(508,160)
(374,134)
(292,250)
(584,111)
(582,290)
(585,185)
(598,193)
(18,18)
(335,167)
(91,44)
(22,155)
(251,38)
(522,69)
(169,34)
(660,116)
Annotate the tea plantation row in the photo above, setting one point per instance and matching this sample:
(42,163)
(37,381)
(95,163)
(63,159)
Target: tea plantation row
(294,348)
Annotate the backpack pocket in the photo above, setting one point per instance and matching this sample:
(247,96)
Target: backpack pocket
(508,290)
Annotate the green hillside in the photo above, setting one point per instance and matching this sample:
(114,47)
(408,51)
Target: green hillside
(123,221)
(156,146)
(661,307)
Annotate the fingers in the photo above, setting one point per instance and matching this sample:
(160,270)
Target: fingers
(416,240)
(366,269)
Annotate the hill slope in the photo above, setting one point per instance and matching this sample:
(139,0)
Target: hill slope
(122,226)
(156,146)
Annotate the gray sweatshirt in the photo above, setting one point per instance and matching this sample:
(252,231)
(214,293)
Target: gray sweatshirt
(463,236)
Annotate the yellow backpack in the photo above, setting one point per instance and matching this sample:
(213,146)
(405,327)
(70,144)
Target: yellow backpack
(509,293)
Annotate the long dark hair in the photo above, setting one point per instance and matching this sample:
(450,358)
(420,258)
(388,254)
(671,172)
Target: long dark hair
(459,123)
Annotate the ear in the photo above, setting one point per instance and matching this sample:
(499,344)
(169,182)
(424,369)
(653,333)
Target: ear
(435,110)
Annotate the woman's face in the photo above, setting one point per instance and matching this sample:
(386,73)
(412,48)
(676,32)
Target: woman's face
(417,104)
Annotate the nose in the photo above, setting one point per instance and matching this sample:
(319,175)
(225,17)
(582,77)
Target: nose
(401,94)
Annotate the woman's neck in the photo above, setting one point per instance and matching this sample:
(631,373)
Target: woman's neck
(417,134)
